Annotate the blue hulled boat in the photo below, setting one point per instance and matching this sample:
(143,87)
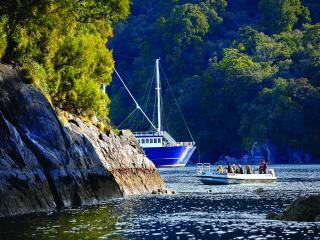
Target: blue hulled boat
(163,150)
(158,145)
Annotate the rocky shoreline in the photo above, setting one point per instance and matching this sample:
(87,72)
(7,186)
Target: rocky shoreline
(45,165)
(304,208)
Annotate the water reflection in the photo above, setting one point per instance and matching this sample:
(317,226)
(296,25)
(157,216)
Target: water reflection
(197,212)
(84,223)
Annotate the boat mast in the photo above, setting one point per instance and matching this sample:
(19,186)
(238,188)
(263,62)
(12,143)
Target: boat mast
(158,90)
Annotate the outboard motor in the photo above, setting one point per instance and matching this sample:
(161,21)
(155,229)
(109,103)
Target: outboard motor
(272,172)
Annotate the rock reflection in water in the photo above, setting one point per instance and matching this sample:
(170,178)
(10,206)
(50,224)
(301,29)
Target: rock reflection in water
(84,223)
(197,212)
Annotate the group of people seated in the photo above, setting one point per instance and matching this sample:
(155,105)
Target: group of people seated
(239,169)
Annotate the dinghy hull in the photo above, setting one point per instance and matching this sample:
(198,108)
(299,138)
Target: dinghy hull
(231,178)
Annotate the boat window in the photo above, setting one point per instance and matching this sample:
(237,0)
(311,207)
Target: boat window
(143,140)
(147,140)
(159,140)
(138,140)
(151,140)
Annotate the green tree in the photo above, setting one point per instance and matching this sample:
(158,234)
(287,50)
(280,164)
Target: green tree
(308,64)
(282,15)
(235,70)
(60,45)
(181,31)
(273,115)
(308,97)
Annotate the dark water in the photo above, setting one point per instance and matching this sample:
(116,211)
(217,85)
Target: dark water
(196,212)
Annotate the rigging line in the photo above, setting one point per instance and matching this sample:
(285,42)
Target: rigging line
(177,103)
(154,107)
(166,126)
(147,96)
(127,117)
(199,156)
(137,105)
(133,122)
(148,88)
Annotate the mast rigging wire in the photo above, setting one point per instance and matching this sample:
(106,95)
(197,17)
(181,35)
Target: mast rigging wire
(198,148)
(177,104)
(147,96)
(137,105)
(127,117)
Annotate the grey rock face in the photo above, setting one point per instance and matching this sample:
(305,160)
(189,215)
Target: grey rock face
(44,165)
(302,209)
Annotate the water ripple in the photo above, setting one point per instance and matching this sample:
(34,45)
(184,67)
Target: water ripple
(197,212)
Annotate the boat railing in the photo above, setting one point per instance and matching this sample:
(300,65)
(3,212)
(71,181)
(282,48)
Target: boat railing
(203,167)
(170,140)
(148,133)
(186,144)
(168,137)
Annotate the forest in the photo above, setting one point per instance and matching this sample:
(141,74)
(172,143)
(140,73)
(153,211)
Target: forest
(243,71)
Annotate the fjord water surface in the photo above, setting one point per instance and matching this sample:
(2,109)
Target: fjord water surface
(197,211)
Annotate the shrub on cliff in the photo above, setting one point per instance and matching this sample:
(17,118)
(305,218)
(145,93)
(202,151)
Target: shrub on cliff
(60,45)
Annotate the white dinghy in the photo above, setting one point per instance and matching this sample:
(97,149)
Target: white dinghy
(208,176)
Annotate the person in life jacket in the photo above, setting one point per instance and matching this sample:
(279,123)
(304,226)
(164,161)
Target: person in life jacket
(239,169)
(248,169)
(234,168)
(263,167)
(228,168)
(220,169)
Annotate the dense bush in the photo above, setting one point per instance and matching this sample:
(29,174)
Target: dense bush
(244,71)
(60,46)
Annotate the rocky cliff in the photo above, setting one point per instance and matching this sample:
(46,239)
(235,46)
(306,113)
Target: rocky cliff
(45,166)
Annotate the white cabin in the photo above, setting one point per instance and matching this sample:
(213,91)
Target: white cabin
(151,139)
(147,141)
(158,139)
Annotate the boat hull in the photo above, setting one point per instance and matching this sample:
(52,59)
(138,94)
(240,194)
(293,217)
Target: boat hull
(171,156)
(229,178)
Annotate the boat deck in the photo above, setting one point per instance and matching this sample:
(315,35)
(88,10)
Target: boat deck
(207,176)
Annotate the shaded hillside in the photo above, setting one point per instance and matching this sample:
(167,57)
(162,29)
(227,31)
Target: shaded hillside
(244,71)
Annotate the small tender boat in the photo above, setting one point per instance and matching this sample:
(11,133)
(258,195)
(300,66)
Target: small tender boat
(207,176)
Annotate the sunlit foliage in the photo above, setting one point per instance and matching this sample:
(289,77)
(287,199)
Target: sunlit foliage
(60,46)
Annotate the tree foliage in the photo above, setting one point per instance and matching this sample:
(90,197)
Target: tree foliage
(60,45)
(244,71)
(282,15)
